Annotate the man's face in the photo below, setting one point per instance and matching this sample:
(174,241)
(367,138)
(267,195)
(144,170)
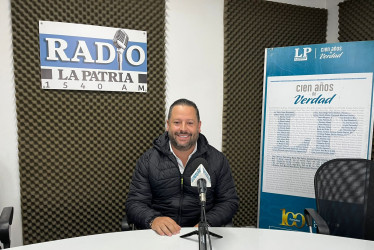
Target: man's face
(183,127)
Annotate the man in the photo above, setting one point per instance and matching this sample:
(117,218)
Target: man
(161,196)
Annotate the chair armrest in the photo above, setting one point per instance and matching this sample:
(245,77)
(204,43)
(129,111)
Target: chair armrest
(6,219)
(310,215)
(126,225)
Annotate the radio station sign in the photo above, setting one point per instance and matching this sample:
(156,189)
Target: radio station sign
(86,57)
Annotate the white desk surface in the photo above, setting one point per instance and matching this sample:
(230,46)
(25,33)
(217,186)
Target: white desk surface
(233,239)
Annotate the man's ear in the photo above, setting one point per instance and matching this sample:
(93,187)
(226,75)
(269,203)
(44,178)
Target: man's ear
(167,125)
(199,126)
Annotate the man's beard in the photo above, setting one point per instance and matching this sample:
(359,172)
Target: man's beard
(179,147)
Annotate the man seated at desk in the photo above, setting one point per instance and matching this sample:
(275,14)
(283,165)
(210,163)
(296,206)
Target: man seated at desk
(161,196)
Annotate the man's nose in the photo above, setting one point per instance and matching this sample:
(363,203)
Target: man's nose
(183,126)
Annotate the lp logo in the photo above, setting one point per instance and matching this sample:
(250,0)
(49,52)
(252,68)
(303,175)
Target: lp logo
(303,56)
(290,219)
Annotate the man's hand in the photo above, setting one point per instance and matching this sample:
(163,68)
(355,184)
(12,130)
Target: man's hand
(165,226)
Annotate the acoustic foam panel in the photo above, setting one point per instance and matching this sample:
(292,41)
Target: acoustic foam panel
(78,149)
(356,20)
(250,27)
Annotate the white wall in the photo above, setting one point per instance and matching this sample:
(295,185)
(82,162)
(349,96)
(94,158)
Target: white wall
(194,51)
(332,20)
(9,175)
(194,60)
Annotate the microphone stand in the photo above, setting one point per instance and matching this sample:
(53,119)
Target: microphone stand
(203,231)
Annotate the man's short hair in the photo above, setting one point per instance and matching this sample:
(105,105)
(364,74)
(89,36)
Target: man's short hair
(186,103)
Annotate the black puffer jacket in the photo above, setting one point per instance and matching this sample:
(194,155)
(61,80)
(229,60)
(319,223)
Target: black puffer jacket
(159,189)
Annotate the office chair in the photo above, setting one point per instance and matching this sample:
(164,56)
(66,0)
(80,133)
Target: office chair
(344,190)
(6,219)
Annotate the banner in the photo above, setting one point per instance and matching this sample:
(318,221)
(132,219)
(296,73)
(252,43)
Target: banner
(87,57)
(317,106)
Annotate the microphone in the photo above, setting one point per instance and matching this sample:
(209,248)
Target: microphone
(201,178)
(201,186)
(120,40)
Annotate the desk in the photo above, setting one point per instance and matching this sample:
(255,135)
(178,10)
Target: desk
(233,238)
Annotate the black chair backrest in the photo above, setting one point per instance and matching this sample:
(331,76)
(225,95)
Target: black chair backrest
(6,218)
(345,197)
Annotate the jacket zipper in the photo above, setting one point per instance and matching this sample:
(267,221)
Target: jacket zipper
(182,193)
(179,219)
(180,203)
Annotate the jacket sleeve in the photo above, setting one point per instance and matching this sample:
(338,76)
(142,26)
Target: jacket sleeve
(139,198)
(226,199)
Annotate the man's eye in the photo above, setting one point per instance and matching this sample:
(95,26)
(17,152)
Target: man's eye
(176,123)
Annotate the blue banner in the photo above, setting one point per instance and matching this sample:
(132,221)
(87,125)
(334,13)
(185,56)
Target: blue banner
(317,106)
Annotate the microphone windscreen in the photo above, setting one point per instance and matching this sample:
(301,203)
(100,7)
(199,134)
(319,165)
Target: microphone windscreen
(201,168)
(201,185)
